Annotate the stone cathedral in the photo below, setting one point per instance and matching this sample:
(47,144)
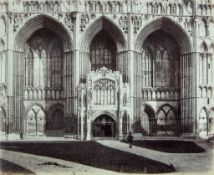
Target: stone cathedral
(91,69)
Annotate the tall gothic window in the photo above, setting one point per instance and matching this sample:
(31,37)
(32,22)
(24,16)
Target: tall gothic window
(56,67)
(28,67)
(39,67)
(43,61)
(160,61)
(163,70)
(147,68)
(103,52)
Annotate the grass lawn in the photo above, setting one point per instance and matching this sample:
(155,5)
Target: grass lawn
(11,168)
(92,154)
(170,146)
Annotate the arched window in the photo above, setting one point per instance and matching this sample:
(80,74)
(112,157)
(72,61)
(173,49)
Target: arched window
(28,67)
(56,67)
(147,68)
(164,76)
(103,52)
(39,62)
(104,92)
(44,61)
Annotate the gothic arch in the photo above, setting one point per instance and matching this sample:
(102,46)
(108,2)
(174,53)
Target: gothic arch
(107,25)
(55,121)
(202,120)
(168,105)
(35,120)
(31,107)
(99,113)
(39,22)
(169,26)
(54,107)
(166,120)
(148,121)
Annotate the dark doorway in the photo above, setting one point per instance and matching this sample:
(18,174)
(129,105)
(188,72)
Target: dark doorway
(104,126)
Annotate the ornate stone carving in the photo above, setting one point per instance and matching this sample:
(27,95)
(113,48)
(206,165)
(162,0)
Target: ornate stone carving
(84,21)
(69,20)
(3,89)
(137,22)
(47,5)
(17,18)
(123,22)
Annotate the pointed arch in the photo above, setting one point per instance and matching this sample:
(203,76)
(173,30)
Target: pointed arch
(37,105)
(166,120)
(107,25)
(169,26)
(211,120)
(147,121)
(35,120)
(203,120)
(39,22)
(55,124)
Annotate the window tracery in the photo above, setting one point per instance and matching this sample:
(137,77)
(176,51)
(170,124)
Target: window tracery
(104,92)
(43,62)
(147,68)
(103,52)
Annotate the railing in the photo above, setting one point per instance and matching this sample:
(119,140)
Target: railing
(39,94)
(160,94)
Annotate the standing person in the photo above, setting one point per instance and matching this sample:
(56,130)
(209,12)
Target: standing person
(130,139)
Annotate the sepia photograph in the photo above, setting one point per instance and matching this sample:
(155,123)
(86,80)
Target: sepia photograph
(106,87)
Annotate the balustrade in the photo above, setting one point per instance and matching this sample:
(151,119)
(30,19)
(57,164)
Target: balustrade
(160,94)
(40,94)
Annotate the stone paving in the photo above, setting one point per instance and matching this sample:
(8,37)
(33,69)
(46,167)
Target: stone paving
(183,162)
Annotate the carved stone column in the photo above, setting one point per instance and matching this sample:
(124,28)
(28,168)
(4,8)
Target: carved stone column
(88,137)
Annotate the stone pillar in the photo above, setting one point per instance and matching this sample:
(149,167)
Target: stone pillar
(82,125)
(131,67)
(120,128)
(9,73)
(88,137)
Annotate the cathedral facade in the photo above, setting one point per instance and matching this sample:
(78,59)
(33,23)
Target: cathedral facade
(100,68)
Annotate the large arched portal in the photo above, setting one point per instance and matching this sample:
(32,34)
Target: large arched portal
(42,46)
(163,69)
(104,126)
